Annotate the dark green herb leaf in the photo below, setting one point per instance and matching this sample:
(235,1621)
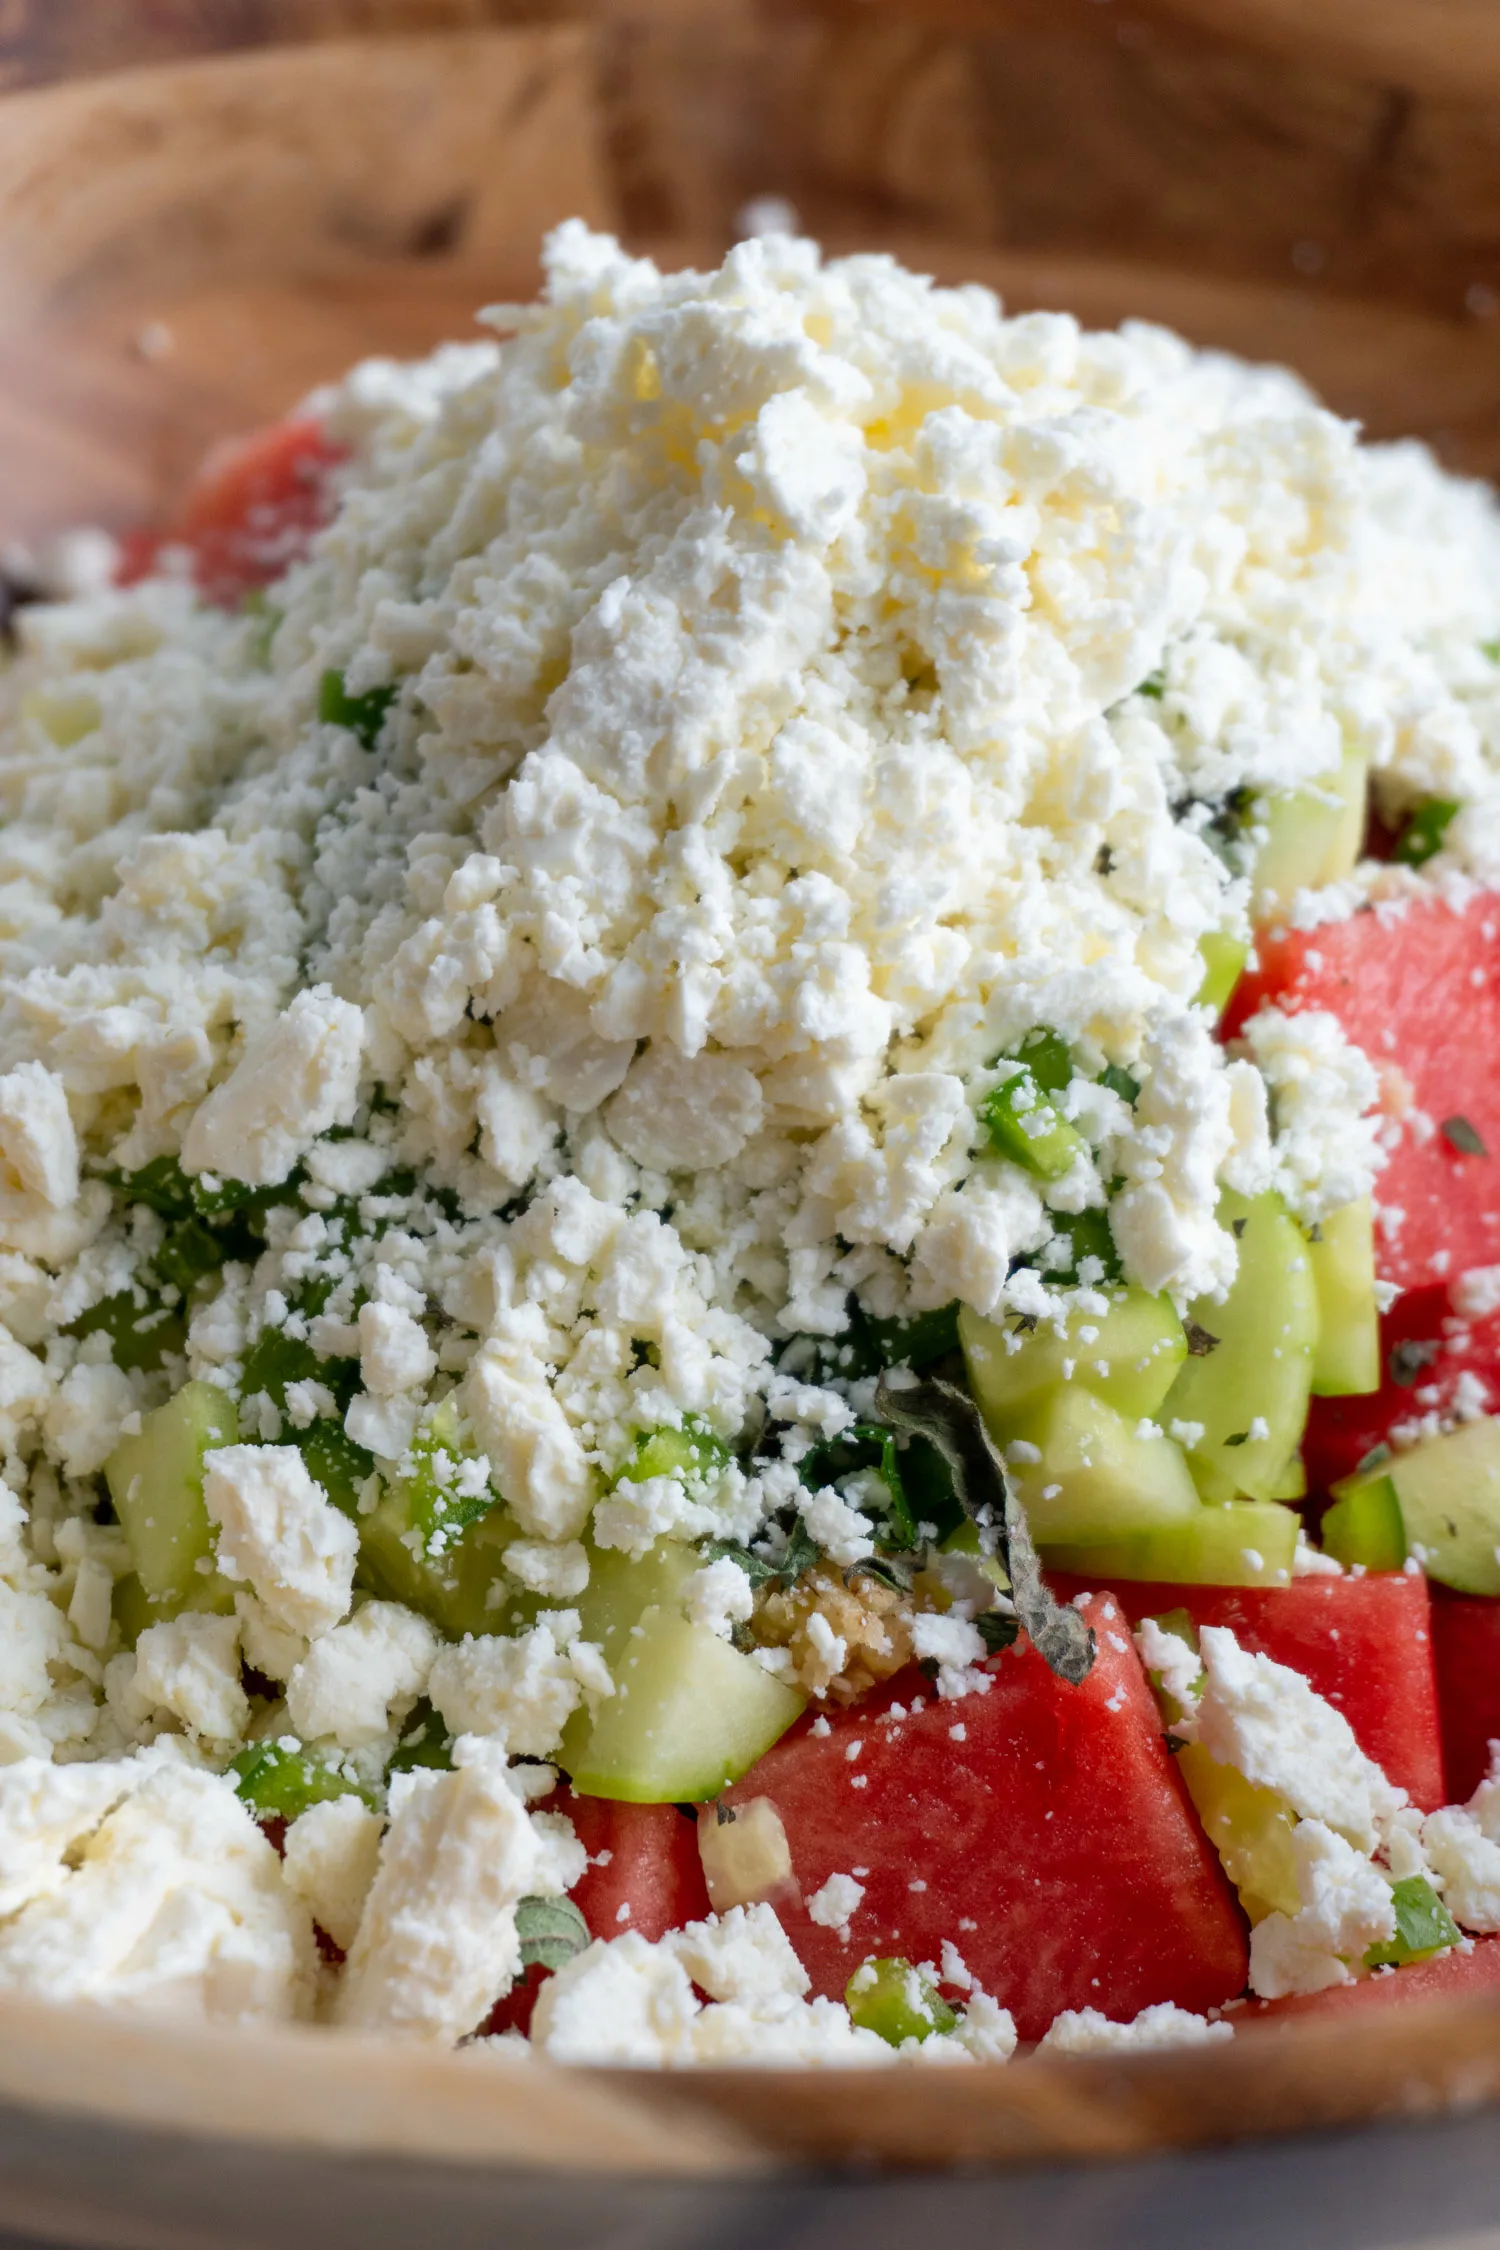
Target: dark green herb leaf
(335,1462)
(161,1185)
(1460,1134)
(425,1741)
(948,1417)
(998,1629)
(1240,1437)
(799,1554)
(551,1930)
(864,1445)
(1422,837)
(1153,685)
(1120,1082)
(363,715)
(1409,1358)
(723,1814)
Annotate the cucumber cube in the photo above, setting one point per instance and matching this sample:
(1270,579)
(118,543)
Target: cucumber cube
(464,1588)
(1128,1356)
(897,2001)
(620,1590)
(156,1483)
(1247,1543)
(1449,1492)
(1249,1392)
(1346,1359)
(1249,1827)
(1082,1473)
(1224,959)
(689,1715)
(1292,1482)
(1364,1524)
(1314,835)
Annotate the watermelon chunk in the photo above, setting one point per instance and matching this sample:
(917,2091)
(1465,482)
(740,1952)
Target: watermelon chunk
(1040,1827)
(1364,1643)
(251,513)
(1457,1975)
(1466,1644)
(1419,991)
(1426,1353)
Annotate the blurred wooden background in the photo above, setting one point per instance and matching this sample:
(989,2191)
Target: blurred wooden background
(1317,180)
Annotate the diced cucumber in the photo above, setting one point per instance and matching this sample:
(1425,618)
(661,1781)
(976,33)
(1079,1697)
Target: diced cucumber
(620,1590)
(1364,1524)
(1423,1926)
(464,1589)
(1346,1358)
(1292,1482)
(1128,1356)
(1314,835)
(1247,1543)
(689,1715)
(897,2001)
(1449,1491)
(1095,1479)
(156,1483)
(1249,1827)
(1250,1390)
(364,715)
(965,1541)
(65,715)
(1224,959)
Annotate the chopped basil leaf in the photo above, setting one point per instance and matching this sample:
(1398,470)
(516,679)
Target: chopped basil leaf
(551,1930)
(1120,1082)
(1423,1926)
(364,715)
(1460,1134)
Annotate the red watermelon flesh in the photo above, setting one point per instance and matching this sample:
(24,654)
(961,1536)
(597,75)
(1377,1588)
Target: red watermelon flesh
(1364,1643)
(1455,1975)
(1419,990)
(251,513)
(1431,1361)
(1040,1827)
(1466,1643)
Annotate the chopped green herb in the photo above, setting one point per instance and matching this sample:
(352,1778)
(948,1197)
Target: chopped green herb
(335,1462)
(915,1342)
(1240,1437)
(948,1417)
(425,1741)
(1460,1134)
(1048,1057)
(1423,1926)
(864,1445)
(1422,836)
(1153,685)
(278,1783)
(1408,1359)
(999,1630)
(799,1554)
(1120,1082)
(1077,1235)
(363,715)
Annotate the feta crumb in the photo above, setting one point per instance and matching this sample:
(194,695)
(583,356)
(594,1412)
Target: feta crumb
(520,1689)
(190,1666)
(292,1083)
(719,1596)
(1084,2031)
(834,1904)
(278,1532)
(329,1859)
(345,1686)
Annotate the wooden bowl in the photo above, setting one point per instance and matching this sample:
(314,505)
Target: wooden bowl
(188,240)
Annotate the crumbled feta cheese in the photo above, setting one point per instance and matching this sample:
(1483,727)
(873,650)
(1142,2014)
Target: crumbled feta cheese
(38,1146)
(176,1905)
(1476,1294)
(277,1531)
(1466,1859)
(190,1666)
(350,1678)
(834,1904)
(329,1859)
(519,1689)
(956,1647)
(1346,1908)
(1263,1718)
(719,1596)
(436,1945)
(394,1354)
(1084,2031)
(1176,1664)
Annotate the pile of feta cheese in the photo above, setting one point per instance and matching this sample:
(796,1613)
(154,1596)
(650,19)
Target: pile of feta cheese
(794,683)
